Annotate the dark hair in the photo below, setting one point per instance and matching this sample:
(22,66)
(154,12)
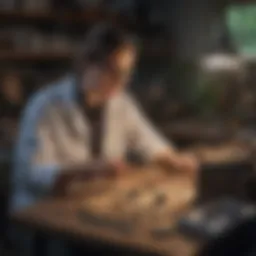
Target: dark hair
(100,43)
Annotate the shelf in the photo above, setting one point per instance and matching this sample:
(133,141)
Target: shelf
(51,56)
(30,56)
(68,17)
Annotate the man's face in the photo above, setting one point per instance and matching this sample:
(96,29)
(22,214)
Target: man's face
(106,80)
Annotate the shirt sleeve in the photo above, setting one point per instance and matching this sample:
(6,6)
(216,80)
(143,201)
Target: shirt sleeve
(145,136)
(33,173)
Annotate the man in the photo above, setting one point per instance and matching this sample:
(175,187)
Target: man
(61,124)
(69,126)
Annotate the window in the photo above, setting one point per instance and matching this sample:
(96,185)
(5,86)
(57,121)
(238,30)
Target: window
(241,20)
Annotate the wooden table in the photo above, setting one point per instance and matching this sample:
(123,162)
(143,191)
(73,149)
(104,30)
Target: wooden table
(64,216)
(60,216)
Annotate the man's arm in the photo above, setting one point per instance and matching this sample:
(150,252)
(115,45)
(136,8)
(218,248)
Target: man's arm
(36,162)
(29,148)
(150,142)
(147,138)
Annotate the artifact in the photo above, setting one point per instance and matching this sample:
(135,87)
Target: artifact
(147,199)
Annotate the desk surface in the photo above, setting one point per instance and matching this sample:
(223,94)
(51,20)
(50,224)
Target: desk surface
(61,216)
(64,217)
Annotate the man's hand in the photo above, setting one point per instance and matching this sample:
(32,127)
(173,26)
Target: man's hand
(180,162)
(187,163)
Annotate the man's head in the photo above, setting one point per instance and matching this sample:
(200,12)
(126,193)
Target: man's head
(106,62)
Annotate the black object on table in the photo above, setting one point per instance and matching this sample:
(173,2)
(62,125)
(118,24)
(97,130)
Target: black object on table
(215,219)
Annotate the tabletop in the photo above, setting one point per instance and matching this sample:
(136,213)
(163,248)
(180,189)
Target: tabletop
(60,216)
(63,216)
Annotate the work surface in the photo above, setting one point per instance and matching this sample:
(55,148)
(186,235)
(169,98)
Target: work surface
(67,217)
(61,217)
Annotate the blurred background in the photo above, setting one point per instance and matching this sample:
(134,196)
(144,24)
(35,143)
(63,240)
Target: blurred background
(197,58)
(192,54)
